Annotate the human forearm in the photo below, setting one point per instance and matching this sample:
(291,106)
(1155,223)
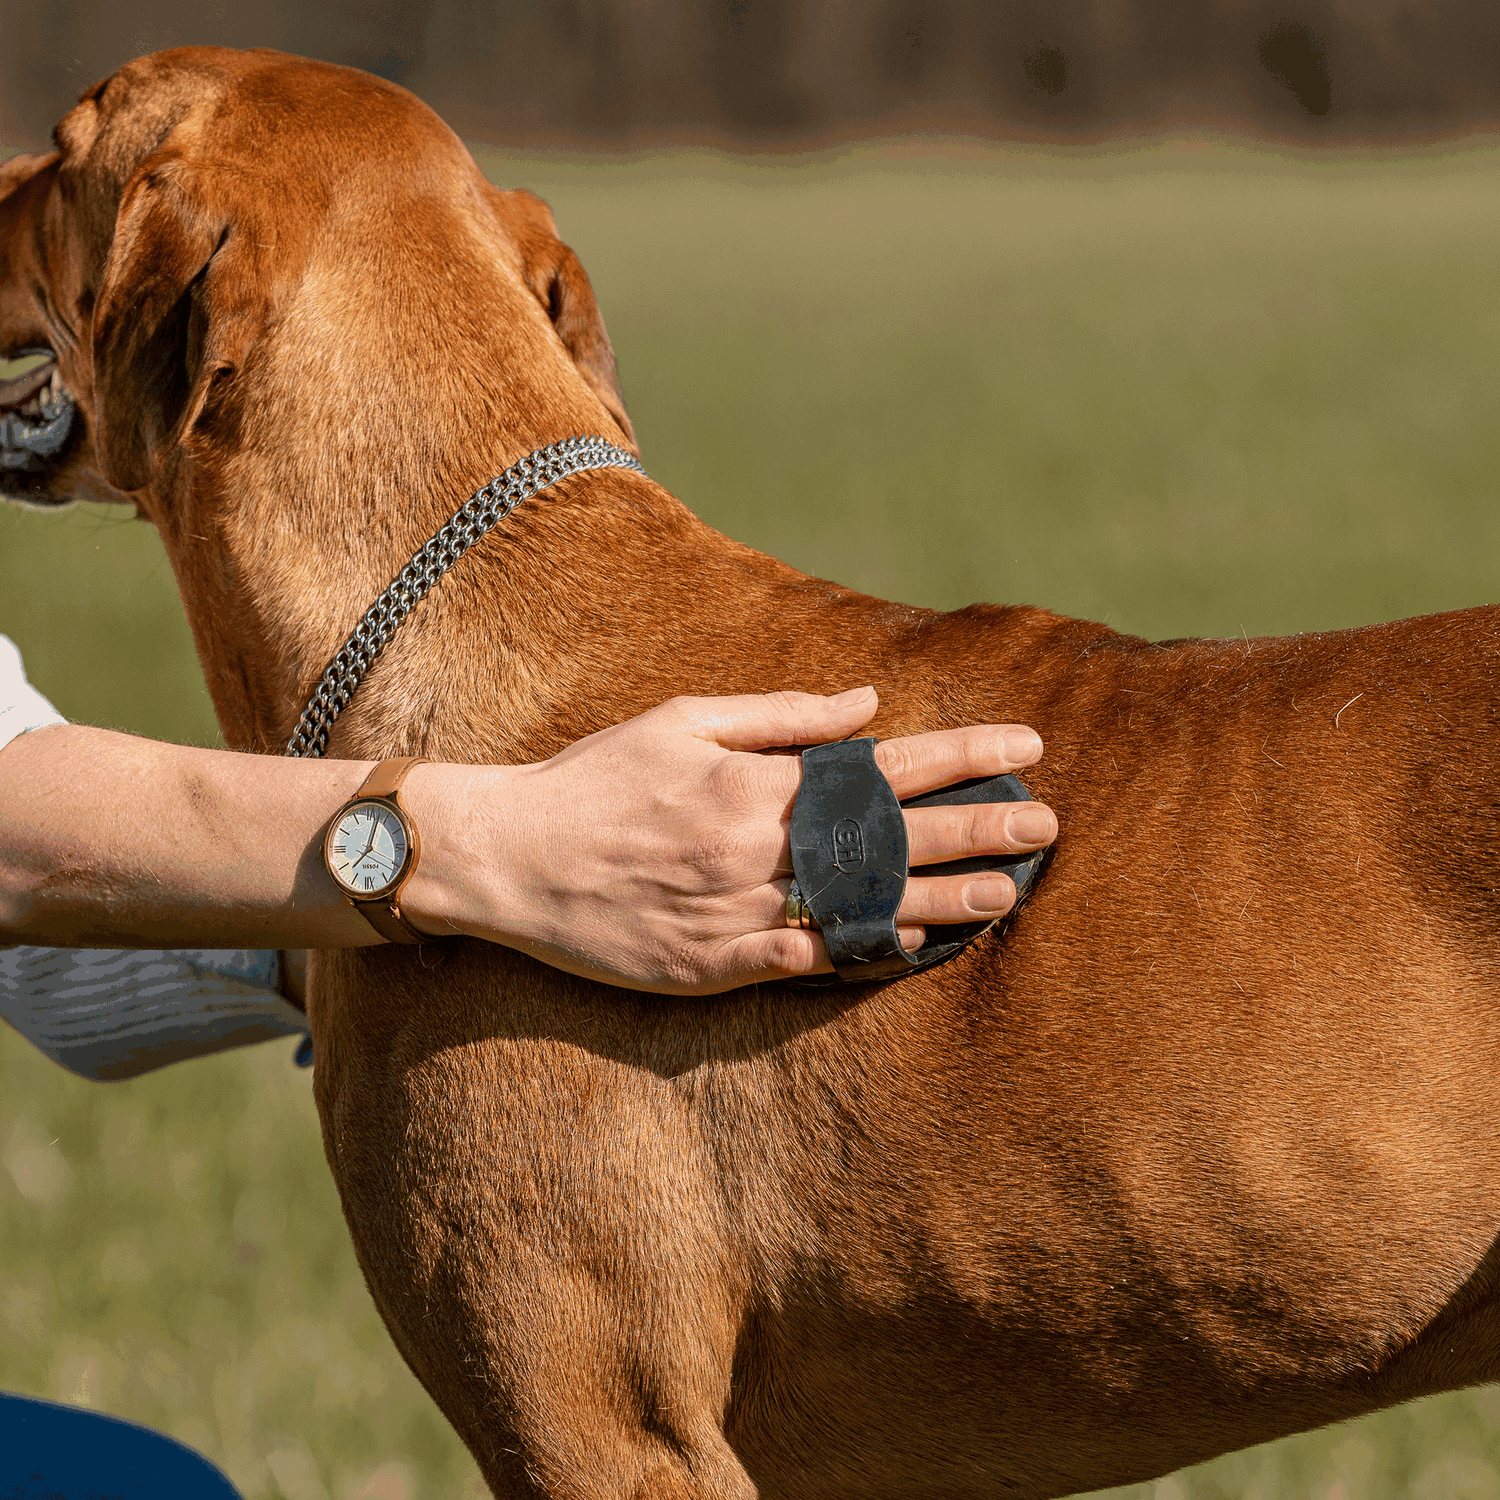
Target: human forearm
(108,840)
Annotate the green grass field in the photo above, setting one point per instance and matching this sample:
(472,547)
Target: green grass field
(1188,389)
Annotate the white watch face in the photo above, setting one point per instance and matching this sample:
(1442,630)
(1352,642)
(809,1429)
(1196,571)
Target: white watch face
(366,849)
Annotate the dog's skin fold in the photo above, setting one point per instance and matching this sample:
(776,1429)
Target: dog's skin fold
(1202,1152)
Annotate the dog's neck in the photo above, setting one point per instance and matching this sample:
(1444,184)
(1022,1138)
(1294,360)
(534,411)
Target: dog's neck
(359,427)
(278,554)
(350,437)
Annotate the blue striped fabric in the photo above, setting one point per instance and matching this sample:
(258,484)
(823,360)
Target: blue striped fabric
(117,1012)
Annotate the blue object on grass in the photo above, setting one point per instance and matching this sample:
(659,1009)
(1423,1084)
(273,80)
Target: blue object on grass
(53,1452)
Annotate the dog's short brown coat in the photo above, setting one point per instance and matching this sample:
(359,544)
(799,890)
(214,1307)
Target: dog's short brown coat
(1203,1152)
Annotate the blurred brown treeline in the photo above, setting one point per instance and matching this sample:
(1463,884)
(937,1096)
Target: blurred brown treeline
(787,73)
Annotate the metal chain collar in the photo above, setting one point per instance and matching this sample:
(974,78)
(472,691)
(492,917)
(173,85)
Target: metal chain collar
(477,516)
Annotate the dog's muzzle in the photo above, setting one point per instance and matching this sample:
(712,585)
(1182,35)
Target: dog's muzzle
(36,418)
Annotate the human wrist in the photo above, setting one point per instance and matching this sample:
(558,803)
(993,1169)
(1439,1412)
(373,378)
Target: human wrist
(464,882)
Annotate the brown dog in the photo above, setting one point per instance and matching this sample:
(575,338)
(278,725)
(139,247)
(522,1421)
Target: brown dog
(1178,1165)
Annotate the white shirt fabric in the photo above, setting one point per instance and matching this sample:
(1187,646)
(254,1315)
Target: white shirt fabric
(21,706)
(118,1012)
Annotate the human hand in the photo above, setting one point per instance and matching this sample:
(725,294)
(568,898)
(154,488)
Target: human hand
(654,855)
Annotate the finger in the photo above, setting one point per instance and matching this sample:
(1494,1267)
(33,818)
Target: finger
(759,721)
(919,763)
(783,953)
(957,898)
(778,953)
(935,834)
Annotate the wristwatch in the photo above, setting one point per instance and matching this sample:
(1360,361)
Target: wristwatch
(371,848)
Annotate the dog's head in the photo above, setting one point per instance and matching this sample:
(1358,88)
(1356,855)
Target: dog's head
(143,261)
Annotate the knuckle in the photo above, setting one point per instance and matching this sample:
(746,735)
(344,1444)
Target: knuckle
(734,780)
(975,829)
(707,858)
(784,707)
(998,835)
(680,708)
(790,952)
(719,858)
(978,750)
(984,747)
(897,759)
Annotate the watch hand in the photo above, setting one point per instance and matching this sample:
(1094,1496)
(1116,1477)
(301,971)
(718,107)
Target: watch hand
(374,829)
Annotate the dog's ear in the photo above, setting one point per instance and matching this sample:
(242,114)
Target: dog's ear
(182,299)
(14,170)
(559,283)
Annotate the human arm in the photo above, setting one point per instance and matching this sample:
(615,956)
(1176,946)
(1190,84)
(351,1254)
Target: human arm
(647,855)
(108,840)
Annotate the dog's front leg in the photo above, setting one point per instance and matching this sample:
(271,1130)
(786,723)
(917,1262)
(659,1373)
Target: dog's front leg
(537,1226)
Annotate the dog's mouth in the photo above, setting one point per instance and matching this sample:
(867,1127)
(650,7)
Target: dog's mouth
(37,417)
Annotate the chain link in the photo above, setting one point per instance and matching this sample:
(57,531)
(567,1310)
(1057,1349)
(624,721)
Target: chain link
(484,510)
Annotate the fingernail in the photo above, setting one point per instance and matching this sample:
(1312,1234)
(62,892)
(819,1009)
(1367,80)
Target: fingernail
(990,896)
(1022,746)
(1032,824)
(850,698)
(912,938)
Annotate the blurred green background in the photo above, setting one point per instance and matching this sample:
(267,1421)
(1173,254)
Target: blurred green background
(1187,388)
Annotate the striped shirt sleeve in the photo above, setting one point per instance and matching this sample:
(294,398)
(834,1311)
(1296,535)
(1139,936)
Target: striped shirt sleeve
(118,1012)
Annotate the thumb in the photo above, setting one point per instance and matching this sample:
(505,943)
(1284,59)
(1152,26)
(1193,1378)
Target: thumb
(759,721)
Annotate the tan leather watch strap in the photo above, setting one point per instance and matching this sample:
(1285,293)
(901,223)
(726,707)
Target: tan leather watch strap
(385,780)
(384,915)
